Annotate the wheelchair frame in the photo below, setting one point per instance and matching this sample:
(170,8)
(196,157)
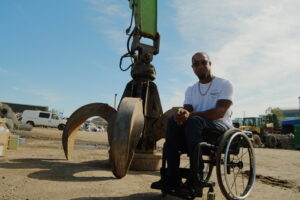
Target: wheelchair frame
(227,155)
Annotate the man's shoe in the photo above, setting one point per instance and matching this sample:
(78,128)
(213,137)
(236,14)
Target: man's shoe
(181,191)
(168,183)
(158,185)
(174,186)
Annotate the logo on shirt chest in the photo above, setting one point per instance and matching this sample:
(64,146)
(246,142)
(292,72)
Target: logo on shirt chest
(214,94)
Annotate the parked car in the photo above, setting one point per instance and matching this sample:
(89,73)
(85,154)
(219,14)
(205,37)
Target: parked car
(93,128)
(42,118)
(101,128)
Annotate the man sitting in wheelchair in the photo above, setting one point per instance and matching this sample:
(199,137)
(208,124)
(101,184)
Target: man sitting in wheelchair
(206,106)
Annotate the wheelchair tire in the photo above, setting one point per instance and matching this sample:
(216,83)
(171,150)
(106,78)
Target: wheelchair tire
(235,165)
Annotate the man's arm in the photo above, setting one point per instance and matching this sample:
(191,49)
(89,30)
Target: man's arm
(215,113)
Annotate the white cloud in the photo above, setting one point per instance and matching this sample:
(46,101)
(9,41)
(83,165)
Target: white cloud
(46,95)
(117,39)
(112,17)
(111,8)
(255,44)
(16,88)
(173,99)
(173,95)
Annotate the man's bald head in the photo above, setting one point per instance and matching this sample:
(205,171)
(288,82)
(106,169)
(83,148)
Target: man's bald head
(202,66)
(200,54)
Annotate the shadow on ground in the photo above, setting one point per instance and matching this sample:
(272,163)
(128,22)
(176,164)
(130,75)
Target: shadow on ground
(144,196)
(58,169)
(62,170)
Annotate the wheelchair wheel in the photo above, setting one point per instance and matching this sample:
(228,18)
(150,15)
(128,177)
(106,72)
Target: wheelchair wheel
(235,165)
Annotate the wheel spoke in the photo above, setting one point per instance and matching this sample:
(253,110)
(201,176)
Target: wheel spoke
(243,179)
(235,177)
(243,155)
(235,183)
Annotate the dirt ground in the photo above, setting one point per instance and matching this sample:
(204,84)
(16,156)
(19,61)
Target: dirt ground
(39,170)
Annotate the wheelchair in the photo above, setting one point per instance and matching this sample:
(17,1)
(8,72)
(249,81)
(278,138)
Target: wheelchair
(233,156)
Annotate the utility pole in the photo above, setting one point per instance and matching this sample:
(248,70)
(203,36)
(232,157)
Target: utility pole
(115,100)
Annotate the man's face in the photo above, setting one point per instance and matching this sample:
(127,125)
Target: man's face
(201,66)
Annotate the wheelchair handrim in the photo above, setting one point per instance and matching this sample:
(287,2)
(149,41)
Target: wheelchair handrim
(252,172)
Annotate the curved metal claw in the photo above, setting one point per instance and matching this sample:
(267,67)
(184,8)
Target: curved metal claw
(78,117)
(125,131)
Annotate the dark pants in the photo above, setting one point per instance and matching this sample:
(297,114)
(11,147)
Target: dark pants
(186,137)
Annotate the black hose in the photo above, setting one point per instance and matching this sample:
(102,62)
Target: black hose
(129,52)
(131,20)
(121,60)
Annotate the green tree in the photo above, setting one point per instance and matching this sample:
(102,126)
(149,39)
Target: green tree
(278,112)
(274,115)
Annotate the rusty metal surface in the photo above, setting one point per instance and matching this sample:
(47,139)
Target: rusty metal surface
(78,117)
(146,161)
(152,112)
(125,131)
(160,125)
(152,109)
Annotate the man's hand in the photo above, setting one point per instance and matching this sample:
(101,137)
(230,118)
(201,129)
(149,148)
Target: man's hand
(181,116)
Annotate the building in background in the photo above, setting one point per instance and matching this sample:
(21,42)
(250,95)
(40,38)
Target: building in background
(19,108)
(290,114)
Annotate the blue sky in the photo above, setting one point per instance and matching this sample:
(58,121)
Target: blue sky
(65,53)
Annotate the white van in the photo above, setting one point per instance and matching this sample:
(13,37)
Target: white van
(42,118)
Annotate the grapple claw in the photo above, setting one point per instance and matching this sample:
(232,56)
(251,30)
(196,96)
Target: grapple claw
(78,117)
(125,130)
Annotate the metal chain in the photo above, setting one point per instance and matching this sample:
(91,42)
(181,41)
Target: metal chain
(203,94)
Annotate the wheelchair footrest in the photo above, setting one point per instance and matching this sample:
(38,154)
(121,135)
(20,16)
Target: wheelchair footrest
(208,184)
(211,196)
(197,187)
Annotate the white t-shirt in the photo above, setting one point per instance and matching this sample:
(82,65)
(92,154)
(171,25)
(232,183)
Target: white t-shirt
(211,92)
